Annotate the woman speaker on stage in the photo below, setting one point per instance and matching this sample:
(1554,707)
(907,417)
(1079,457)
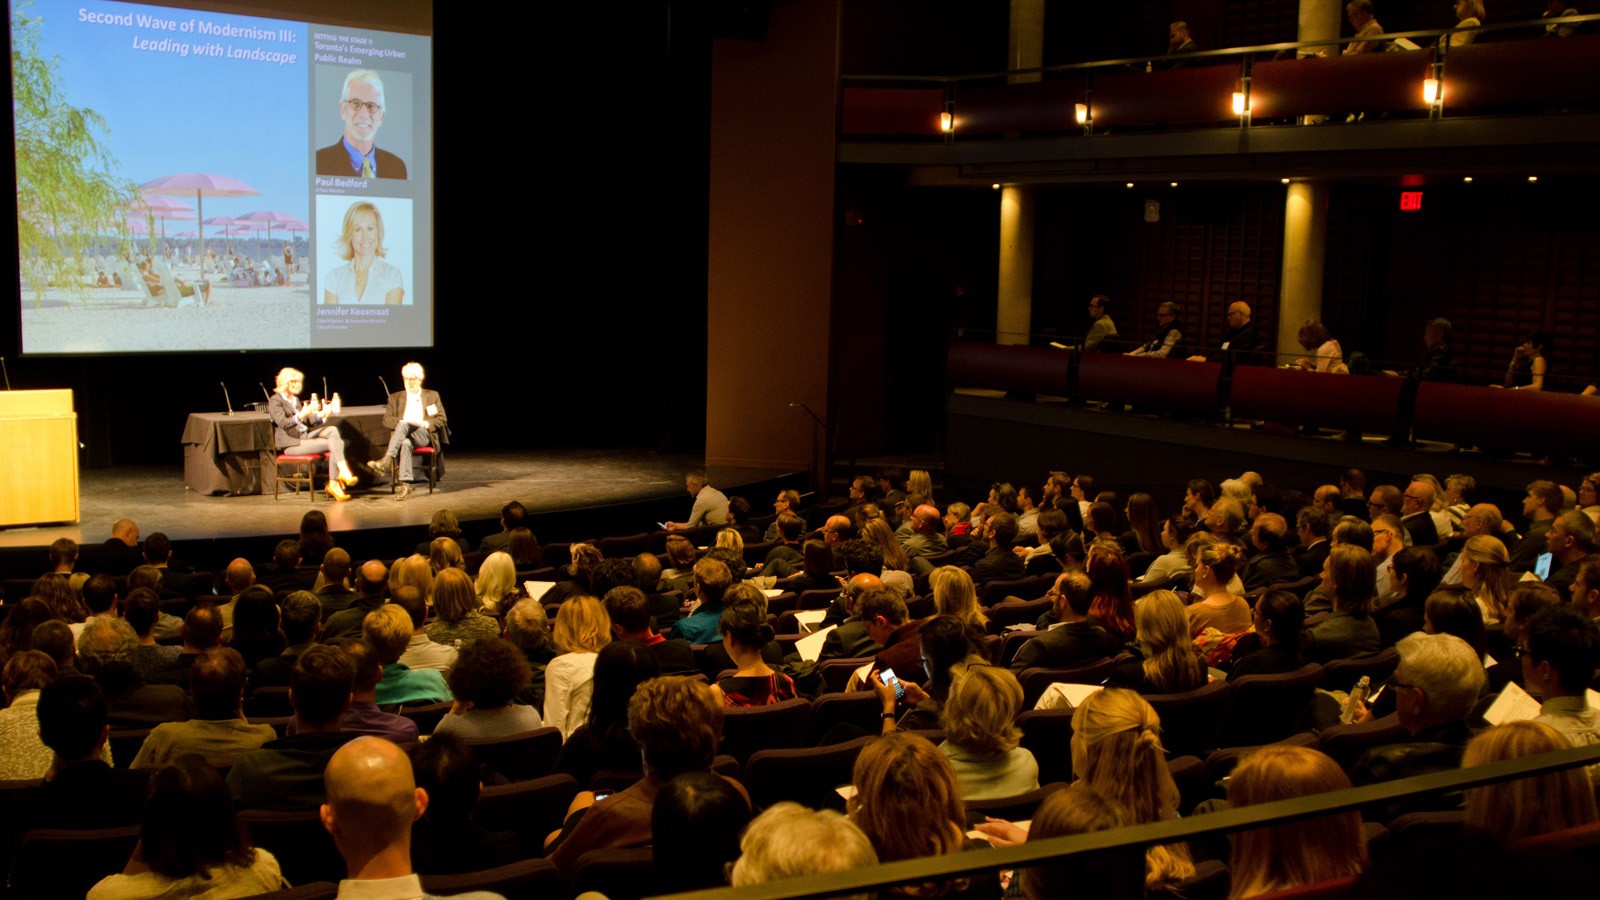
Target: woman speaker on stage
(299,428)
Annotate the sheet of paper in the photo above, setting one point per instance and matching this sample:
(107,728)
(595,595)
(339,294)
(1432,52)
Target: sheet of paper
(537,589)
(809,619)
(771,592)
(1513,704)
(810,646)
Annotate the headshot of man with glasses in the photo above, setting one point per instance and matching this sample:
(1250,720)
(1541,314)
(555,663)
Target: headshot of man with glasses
(356,154)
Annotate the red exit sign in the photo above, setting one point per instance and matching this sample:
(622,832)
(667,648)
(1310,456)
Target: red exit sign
(1410,201)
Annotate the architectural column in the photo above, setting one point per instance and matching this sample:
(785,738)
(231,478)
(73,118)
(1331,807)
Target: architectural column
(1014,317)
(1319,20)
(1305,226)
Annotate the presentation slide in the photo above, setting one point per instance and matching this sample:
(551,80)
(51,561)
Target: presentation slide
(202,181)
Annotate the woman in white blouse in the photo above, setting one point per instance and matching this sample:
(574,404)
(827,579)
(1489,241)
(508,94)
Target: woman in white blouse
(582,628)
(367,277)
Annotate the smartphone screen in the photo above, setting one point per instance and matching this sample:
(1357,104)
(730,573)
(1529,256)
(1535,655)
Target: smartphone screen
(892,681)
(1541,566)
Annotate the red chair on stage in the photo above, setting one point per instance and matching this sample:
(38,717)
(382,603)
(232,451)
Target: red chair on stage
(426,457)
(299,469)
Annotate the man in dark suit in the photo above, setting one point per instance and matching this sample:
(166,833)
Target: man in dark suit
(105,652)
(119,555)
(1416,506)
(285,574)
(416,419)
(886,617)
(1312,526)
(1074,640)
(850,639)
(356,154)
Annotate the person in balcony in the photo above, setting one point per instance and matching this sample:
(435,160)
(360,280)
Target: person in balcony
(1469,14)
(1326,356)
(1359,12)
(1167,334)
(1101,326)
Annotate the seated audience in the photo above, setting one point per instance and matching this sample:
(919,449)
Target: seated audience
(902,779)
(696,824)
(456,603)
(363,715)
(529,630)
(388,629)
(1453,611)
(202,630)
(677,723)
(981,736)
(106,654)
(190,843)
(1111,605)
(1560,649)
(745,633)
(1348,630)
(218,730)
(300,617)
(1277,618)
(1077,810)
(81,790)
(374,584)
(1526,807)
(423,652)
(851,639)
(445,839)
(791,841)
(629,610)
(1166,661)
(1414,574)
(1483,572)
(142,610)
(1227,612)
(485,682)
(54,639)
(1117,752)
(372,804)
(582,629)
(1073,639)
(1436,687)
(497,586)
(891,627)
(23,756)
(602,743)
(999,563)
(286,774)
(1175,534)
(1059,548)
(711,580)
(1271,563)
(256,631)
(1299,853)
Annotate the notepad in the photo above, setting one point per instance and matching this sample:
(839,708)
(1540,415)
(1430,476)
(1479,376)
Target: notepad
(537,589)
(1515,704)
(809,619)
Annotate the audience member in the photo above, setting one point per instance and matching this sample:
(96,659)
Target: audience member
(1560,649)
(286,774)
(486,679)
(23,756)
(981,736)
(363,716)
(54,638)
(1277,618)
(695,823)
(202,630)
(1073,639)
(373,583)
(446,839)
(602,742)
(1227,612)
(106,653)
(1111,604)
(1436,687)
(711,580)
(1299,853)
(1166,661)
(1348,630)
(1526,807)
(388,629)
(455,600)
(745,633)
(582,629)
(422,651)
(81,789)
(219,730)
(791,841)
(300,616)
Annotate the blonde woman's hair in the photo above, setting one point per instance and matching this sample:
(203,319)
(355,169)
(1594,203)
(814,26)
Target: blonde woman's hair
(342,243)
(979,715)
(582,625)
(413,571)
(1116,750)
(919,484)
(1492,560)
(955,595)
(453,595)
(1296,853)
(286,375)
(496,577)
(1161,626)
(388,630)
(680,552)
(732,539)
(1524,807)
(1224,560)
(790,841)
(907,800)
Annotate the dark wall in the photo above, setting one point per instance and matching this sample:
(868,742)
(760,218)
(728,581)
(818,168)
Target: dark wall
(561,290)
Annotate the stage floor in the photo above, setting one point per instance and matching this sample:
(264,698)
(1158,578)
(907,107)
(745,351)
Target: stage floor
(475,487)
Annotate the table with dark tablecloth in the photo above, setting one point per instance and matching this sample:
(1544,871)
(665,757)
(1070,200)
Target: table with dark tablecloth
(233,454)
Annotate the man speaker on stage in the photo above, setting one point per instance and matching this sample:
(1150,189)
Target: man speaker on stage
(416,418)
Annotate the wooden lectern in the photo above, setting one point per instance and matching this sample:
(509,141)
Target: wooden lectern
(39,459)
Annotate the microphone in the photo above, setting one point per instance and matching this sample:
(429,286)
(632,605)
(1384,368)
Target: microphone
(385,387)
(264,392)
(225,398)
(6,372)
(325,387)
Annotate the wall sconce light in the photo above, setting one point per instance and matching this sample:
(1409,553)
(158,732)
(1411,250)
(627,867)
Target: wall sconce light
(1432,91)
(1238,103)
(1080,112)
(947,122)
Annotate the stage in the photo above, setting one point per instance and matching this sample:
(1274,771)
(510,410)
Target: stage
(569,494)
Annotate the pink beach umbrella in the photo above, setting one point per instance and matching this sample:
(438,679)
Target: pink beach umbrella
(199,185)
(266,218)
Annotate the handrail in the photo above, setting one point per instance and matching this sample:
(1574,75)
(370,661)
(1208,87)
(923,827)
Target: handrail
(1219,54)
(937,868)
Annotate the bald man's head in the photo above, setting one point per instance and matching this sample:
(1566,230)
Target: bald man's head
(927,519)
(372,800)
(125,531)
(240,575)
(374,579)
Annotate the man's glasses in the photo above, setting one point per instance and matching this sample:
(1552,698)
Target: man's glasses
(370,107)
